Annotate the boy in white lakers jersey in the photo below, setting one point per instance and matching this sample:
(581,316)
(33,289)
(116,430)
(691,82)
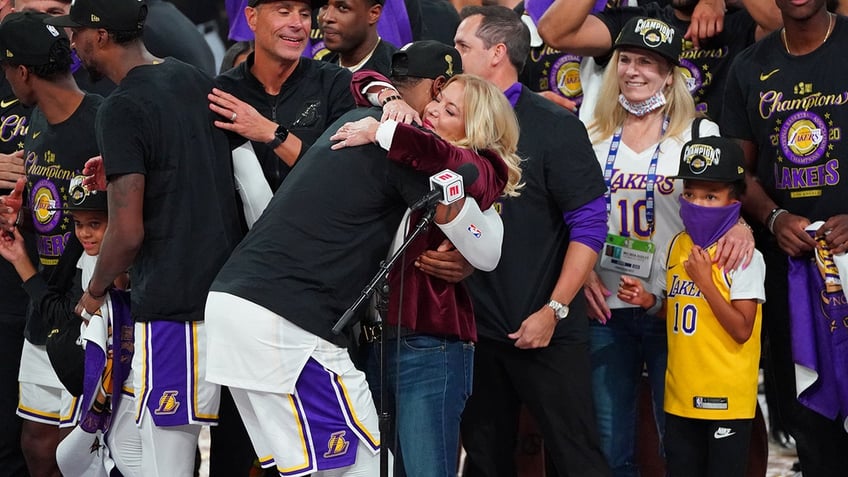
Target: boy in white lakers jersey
(713,320)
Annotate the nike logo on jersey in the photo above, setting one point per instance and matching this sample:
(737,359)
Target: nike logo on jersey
(723,432)
(6,103)
(765,76)
(36,134)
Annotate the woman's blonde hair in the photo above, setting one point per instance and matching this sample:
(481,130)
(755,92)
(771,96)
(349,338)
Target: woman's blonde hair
(490,123)
(609,114)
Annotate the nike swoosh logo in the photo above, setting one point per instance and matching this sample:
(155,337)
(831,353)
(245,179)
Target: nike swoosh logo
(36,134)
(6,104)
(722,435)
(765,76)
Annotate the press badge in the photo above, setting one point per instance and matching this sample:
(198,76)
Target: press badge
(628,255)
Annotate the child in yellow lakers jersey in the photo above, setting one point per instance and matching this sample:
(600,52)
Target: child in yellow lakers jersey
(713,320)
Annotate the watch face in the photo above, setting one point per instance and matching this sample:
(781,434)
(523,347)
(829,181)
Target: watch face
(562,312)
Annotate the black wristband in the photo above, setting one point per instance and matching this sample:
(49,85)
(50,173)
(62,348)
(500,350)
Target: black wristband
(389,99)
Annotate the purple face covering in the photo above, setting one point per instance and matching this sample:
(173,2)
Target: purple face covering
(708,224)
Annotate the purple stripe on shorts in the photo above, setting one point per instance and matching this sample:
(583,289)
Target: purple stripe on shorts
(168,365)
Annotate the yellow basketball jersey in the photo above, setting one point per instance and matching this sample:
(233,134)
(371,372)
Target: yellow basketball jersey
(709,374)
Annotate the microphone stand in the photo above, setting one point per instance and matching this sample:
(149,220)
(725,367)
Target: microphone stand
(378,282)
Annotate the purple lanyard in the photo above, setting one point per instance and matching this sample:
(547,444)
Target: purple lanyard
(652,174)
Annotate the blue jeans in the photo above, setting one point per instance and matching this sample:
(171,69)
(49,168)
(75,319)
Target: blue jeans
(619,349)
(435,376)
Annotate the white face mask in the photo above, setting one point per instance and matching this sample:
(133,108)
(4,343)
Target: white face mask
(641,108)
(656,101)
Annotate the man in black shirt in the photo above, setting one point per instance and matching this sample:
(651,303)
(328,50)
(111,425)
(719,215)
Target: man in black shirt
(273,305)
(350,33)
(785,103)
(173,221)
(277,99)
(531,318)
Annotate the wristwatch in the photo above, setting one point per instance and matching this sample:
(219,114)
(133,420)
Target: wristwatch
(560,310)
(280,136)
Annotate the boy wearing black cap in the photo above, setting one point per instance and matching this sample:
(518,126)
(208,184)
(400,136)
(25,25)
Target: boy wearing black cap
(164,159)
(55,302)
(713,318)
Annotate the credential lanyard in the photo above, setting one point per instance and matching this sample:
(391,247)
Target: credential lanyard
(652,174)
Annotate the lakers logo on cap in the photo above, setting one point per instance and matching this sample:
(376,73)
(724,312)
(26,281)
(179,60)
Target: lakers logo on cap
(700,157)
(337,445)
(168,403)
(654,32)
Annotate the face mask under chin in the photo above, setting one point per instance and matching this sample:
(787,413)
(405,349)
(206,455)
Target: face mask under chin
(641,108)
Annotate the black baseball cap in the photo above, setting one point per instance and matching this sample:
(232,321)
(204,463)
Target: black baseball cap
(652,35)
(426,59)
(714,159)
(80,198)
(114,15)
(312,3)
(26,40)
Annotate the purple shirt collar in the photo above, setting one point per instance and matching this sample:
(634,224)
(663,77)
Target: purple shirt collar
(513,93)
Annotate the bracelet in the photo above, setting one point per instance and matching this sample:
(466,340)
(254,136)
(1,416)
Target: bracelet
(92,295)
(742,222)
(389,99)
(772,217)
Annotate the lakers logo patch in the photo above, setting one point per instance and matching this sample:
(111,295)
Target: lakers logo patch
(337,445)
(803,138)
(168,403)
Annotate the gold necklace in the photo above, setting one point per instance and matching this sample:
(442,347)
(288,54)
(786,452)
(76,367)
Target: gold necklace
(830,24)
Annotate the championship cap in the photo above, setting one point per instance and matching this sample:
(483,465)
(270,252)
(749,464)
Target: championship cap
(714,159)
(652,35)
(426,59)
(26,40)
(312,3)
(114,15)
(81,198)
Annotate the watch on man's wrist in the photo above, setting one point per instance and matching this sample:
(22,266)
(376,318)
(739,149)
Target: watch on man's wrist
(280,136)
(560,310)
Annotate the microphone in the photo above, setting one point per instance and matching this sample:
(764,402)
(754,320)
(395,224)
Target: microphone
(448,186)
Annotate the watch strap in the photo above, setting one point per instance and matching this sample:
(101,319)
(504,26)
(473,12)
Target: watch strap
(280,136)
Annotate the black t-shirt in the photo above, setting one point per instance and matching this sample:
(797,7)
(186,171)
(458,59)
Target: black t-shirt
(14,119)
(167,32)
(54,156)
(439,21)
(549,69)
(323,235)
(157,123)
(561,174)
(313,97)
(380,61)
(793,108)
(706,68)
